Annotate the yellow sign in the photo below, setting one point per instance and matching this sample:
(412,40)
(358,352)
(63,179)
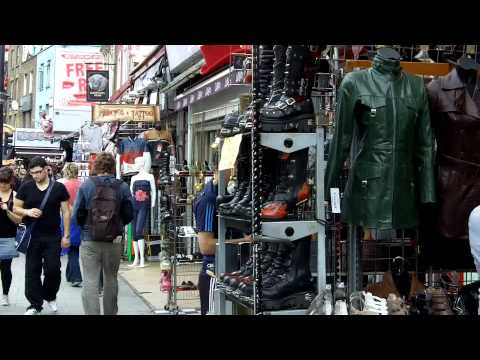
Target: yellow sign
(230,148)
(120,112)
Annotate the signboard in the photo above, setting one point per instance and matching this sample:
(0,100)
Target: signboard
(121,112)
(232,77)
(230,149)
(71,80)
(97,85)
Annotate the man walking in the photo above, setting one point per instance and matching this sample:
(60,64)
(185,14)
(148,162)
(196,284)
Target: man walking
(46,241)
(104,205)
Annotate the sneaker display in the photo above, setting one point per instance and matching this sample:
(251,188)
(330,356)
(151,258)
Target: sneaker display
(341,307)
(4,300)
(32,311)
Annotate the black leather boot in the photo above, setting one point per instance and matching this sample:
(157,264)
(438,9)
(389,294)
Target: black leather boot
(293,288)
(293,111)
(243,207)
(292,188)
(226,208)
(278,80)
(230,125)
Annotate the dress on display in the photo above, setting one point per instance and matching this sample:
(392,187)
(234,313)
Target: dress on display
(142,203)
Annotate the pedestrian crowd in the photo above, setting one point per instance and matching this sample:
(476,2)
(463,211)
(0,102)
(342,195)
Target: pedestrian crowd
(84,219)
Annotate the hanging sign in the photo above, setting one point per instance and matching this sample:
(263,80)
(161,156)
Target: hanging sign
(123,112)
(230,149)
(97,85)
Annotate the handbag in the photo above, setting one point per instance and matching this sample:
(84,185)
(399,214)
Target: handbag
(24,233)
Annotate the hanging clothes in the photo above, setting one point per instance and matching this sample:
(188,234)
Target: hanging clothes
(92,137)
(129,150)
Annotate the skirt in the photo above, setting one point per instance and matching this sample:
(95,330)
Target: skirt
(7,248)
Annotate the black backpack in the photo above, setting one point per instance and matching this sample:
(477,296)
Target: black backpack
(104,221)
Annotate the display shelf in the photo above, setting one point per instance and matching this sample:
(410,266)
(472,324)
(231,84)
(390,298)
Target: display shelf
(289,230)
(232,297)
(288,142)
(236,223)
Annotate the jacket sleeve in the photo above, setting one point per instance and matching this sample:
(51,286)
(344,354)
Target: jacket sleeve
(342,137)
(126,208)
(424,155)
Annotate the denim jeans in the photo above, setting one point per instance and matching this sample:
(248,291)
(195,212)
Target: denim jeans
(73,272)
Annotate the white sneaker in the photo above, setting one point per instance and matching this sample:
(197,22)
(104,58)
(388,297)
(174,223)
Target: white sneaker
(53,305)
(341,307)
(375,304)
(132,265)
(32,311)
(4,300)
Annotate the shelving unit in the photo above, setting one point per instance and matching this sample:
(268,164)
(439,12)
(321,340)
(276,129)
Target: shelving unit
(275,231)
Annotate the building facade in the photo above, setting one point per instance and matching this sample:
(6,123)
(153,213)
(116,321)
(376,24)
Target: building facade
(61,84)
(21,73)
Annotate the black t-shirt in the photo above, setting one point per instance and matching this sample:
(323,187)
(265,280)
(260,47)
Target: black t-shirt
(8,229)
(48,225)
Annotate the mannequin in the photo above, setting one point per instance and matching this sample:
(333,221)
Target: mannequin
(455,112)
(129,150)
(382,116)
(144,194)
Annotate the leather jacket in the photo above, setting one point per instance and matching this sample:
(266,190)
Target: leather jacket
(456,122)
(385,112)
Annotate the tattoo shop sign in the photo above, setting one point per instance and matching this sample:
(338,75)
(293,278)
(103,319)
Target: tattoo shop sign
(120,112)
(232,78)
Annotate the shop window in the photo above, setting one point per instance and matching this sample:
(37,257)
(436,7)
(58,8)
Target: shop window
(47,81)
(40,78)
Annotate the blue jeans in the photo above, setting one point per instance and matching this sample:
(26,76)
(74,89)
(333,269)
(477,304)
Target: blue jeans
(73,266)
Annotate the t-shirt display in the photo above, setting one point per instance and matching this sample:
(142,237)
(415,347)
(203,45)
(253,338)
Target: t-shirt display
(48,225)
(92,139)
(129,150)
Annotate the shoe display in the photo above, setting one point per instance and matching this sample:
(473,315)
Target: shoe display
(396,305)
(4,300)
(440,304)
(292,111)
(292,188)
(340,308)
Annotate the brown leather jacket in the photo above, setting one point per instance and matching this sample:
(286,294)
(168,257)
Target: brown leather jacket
(456,122)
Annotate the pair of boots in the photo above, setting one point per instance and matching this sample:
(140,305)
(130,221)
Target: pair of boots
(139,259)
(238,205)
(291,188)
(286,109)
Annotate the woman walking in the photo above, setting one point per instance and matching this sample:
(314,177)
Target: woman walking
(72,183)
(8,230)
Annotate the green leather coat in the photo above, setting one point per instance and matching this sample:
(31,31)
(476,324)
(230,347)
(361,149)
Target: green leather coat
(383,119)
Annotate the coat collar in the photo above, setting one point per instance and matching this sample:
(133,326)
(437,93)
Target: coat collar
(458,96)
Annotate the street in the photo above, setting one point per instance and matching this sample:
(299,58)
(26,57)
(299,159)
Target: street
(69,299)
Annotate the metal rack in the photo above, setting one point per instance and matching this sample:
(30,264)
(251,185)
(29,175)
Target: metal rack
(311,222)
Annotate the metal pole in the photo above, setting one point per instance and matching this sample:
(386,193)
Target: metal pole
(2,98)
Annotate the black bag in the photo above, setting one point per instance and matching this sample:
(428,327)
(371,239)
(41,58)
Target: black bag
(104,221)
(24,233)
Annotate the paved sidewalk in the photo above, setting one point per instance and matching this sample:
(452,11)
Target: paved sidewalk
(69,298)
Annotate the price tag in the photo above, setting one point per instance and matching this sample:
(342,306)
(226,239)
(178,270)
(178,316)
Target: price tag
(335,200)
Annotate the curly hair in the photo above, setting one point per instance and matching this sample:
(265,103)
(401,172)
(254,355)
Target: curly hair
(104,164)
(70,171)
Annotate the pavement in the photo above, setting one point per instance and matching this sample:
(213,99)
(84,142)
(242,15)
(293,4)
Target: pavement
(69,299)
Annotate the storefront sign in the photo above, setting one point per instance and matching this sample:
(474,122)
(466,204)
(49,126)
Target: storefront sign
(117,112)
(71,80)
(233,77)
(97,85)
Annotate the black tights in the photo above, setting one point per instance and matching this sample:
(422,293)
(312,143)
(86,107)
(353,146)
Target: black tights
(6,270)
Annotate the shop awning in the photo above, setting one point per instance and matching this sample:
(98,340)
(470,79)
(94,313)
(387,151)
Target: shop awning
(121,91)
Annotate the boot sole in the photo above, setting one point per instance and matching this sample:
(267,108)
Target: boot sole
(301,123)
(301,300)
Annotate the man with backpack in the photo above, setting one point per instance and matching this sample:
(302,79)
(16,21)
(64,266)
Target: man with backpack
(104,205)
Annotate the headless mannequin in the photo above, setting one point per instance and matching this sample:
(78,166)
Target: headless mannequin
(143,174)
(146,156)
